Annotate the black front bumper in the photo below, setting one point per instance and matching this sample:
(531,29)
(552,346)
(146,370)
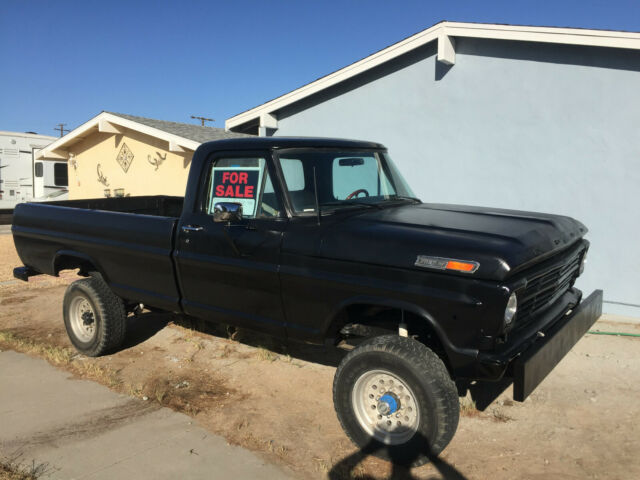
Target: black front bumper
(530,361)
(530,368)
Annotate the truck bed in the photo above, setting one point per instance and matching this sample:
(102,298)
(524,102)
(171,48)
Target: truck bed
(157,205)
(129,240)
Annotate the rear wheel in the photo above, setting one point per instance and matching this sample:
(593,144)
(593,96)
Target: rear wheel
(394,398)
(94,317)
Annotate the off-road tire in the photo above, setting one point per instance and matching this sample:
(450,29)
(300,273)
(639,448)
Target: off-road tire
(108,312)
(426,375)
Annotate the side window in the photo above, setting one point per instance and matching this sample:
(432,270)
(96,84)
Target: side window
(269,203)
(302,195)
(39,169)
(245,181)
(293,172)
(60,175)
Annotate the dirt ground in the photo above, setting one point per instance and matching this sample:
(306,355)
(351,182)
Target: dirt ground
(275,399)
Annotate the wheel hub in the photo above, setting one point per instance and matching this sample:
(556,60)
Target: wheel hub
(388,404)
(82,319)
(87,318)
(385,406)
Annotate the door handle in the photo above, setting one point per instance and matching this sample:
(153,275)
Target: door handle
(192,228)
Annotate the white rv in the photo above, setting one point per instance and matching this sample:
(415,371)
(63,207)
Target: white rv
(22,177)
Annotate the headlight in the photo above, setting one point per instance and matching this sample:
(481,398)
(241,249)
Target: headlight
(583,263)
(510,311)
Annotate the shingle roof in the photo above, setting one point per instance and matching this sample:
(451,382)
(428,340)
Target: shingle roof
(185,130)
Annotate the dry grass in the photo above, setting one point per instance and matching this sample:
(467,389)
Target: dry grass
(321,465)
(104,375)
(62,357)
(468,407)
(12,469)
(189,394)
(266,355)
(499,416)
(53,354)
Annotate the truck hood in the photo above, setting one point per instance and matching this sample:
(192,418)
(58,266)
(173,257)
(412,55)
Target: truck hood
(503,242)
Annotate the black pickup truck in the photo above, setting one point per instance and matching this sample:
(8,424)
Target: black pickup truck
(322,241)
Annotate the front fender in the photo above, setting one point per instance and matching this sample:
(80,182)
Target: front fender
(456,355)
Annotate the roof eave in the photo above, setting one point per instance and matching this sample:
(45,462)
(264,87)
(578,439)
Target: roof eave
(444,33)
(106,122)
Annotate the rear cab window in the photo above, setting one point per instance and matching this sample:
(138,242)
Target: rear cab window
(245,181)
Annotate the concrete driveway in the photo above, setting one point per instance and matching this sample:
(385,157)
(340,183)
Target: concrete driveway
(82,430)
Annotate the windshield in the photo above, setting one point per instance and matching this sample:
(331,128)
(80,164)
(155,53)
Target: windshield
(345,178)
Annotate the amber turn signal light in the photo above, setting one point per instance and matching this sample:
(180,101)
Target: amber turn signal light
(461,266)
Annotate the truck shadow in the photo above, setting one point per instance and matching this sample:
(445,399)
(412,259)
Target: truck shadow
(400,464)
(142,327)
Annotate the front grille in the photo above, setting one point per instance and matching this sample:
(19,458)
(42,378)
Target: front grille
(547,286)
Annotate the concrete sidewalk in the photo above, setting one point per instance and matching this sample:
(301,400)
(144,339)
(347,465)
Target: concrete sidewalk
(5,229)
(82,430)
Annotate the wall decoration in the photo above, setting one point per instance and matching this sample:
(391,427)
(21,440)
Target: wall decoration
(101,178)
(73,162)
(125,157)
(156,162)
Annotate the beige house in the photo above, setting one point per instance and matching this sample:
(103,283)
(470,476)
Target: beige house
(120,155)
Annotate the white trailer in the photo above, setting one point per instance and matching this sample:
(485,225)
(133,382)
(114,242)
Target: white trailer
(22,177)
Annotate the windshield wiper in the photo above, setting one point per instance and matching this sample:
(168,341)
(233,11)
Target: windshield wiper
(350,203)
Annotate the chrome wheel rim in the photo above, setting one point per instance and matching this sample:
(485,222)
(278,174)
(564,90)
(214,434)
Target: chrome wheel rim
(385,407)
(82,319)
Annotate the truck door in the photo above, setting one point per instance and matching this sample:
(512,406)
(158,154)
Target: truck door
(228,271)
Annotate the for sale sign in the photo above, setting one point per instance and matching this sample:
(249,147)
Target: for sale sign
(238,185)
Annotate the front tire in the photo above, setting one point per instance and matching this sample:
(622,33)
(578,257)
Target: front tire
(394,398)
(94,317)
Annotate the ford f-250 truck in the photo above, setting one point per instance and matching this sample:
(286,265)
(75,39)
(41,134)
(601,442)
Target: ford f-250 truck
(322,241)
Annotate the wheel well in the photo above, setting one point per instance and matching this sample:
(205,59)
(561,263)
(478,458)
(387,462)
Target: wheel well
(358,322)
(71,262)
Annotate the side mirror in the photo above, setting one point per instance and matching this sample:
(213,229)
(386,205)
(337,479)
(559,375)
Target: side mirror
(227,212)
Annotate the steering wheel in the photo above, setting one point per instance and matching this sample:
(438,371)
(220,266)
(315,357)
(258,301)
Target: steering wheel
(355,193)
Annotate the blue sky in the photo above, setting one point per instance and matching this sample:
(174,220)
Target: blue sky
(66,60)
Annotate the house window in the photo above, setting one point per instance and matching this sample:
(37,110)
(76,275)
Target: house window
(60,174)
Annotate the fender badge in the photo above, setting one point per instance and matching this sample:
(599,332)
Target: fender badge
(439,263)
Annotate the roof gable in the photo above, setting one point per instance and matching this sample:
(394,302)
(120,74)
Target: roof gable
(181,137)
(444,33)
